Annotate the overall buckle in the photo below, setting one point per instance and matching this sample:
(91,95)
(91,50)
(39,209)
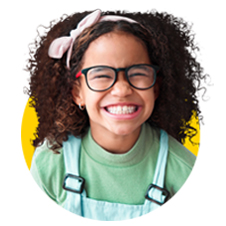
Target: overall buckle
(164,192)
(73,183)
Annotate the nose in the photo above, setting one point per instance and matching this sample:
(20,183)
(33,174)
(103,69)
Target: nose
(121,87)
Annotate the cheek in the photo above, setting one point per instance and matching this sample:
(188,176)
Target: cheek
(93,103)
(149,101)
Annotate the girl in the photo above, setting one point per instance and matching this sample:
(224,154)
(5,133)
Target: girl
(114,93)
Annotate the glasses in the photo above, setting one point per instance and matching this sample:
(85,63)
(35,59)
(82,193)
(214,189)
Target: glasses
(102,78)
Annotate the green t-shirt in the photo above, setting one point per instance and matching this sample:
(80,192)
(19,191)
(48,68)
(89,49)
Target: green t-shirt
(119,178)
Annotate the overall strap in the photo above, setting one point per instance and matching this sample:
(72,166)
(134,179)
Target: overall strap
(72,182)
(156,192)
(71,154)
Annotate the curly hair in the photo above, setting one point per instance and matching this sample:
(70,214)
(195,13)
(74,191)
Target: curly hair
(170,44)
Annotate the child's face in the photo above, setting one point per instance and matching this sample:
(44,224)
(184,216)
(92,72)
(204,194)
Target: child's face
(117,50)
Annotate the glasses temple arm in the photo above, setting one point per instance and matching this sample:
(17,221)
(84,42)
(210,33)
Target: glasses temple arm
(78,74)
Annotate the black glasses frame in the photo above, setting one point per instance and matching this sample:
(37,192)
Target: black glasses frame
(116,70)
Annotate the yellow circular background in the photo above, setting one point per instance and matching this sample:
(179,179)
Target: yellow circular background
(30,123)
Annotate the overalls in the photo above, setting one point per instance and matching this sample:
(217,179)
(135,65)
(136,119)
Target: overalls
(78,202)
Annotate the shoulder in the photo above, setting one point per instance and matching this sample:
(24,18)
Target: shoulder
(180,153)
(48,170)
(179,166)
(46,160)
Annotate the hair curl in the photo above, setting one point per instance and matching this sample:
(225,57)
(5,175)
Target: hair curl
(170,45)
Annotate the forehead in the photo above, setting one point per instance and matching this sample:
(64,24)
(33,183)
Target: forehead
(115,48)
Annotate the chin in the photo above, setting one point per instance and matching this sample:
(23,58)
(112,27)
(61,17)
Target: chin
(125,130)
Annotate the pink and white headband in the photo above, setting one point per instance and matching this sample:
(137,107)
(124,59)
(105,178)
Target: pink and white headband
(60,45)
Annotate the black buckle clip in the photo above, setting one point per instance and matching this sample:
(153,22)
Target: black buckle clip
(164,192)
(73,177)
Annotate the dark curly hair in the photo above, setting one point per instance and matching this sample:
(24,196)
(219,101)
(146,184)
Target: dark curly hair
(170,44)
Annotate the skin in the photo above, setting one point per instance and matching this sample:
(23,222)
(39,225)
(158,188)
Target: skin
(115,134)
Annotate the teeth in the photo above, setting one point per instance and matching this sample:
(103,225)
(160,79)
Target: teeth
(119,110)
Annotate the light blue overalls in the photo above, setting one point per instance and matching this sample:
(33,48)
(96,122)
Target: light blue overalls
(78,202)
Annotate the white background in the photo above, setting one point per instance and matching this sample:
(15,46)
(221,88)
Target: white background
(201,201)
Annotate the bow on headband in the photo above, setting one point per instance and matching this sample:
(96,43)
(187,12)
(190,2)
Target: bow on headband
(60,45)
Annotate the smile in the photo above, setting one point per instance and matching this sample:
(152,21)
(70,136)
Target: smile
(121,110)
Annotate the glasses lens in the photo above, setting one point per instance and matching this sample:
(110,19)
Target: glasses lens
(141,76)
(100,78)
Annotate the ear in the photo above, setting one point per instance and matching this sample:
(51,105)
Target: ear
(77,95)
(157,87)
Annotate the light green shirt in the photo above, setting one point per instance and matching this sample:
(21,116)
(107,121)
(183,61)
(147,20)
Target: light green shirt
(120,178)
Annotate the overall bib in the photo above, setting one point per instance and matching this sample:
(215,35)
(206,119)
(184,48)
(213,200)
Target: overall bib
(78,202)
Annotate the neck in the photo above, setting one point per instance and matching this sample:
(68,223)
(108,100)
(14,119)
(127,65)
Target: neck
(113,143)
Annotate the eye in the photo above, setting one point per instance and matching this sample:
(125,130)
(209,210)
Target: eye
(101,76)
(140,71)
(101,73)
(138,74)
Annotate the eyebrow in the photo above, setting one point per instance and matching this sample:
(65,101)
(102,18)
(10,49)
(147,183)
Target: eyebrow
(97,69)
(143,67)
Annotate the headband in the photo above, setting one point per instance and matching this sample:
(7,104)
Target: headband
(60,45)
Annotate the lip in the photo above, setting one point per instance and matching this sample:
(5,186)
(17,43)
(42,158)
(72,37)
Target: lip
(122,116)
(122,104)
